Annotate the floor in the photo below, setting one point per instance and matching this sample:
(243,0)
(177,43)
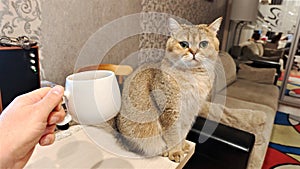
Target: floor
(295,111)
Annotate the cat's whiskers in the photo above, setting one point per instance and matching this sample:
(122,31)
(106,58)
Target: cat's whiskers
(218,67)
(187,57)
(209,65)
(179,63)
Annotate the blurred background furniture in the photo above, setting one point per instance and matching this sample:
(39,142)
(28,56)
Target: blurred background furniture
(252,55)
(256,51)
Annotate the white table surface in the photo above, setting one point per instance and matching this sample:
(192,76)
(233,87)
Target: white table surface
(79,151)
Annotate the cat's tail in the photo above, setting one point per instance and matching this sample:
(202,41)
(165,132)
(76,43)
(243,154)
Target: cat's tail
(113,123)
(147,147)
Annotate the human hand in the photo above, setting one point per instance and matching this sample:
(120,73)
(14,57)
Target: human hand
(28,120)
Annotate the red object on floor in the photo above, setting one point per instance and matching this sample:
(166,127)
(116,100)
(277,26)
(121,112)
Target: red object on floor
(297,91)
(291,75)
(297,128)
(275,158)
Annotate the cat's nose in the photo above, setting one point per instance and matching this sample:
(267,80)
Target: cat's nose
(192,52)
(194,57)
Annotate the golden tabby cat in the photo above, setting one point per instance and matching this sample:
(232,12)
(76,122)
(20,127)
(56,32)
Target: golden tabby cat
(160,101)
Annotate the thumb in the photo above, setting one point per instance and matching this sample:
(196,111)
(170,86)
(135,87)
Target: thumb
(51,100)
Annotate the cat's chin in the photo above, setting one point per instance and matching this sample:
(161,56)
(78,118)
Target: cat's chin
(192,63)
(189,66)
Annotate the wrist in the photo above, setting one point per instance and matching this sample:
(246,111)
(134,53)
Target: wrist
(6,148)
(6,155)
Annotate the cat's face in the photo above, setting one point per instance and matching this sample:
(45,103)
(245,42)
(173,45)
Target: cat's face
(193,46)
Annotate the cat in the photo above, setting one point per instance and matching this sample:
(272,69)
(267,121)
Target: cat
(161,100)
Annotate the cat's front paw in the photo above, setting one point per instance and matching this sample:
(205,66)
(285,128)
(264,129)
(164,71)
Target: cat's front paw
(185,147)
(176,156)
(165,154)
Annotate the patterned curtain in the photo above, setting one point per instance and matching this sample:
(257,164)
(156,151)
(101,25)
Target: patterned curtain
(20,17)
(152,45)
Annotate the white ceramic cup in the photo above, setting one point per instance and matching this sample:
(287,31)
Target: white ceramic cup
(92,97)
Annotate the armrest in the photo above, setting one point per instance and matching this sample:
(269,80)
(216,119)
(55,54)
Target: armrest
(259,75)
(273,52)
(265,63)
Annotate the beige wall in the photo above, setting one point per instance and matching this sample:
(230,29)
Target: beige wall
(67,25)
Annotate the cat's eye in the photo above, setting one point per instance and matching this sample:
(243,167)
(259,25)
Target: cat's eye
(184,44)
(203,44)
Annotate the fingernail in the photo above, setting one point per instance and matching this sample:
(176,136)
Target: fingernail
(53,120)
(58,90)
(46,141)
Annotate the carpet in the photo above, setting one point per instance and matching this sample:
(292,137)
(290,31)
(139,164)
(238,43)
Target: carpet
(293,85)
(284,147)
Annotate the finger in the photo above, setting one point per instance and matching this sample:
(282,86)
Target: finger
(56,117)
(47,139)
(34,96)
(51,100)
(59,106)
(38,94)
(49,130)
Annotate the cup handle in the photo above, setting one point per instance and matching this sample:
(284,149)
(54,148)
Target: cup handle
(65,97)
(68,117)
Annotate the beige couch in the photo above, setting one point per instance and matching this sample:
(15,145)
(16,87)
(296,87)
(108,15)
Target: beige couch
(250,104)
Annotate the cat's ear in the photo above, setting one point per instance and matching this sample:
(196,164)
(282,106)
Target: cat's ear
(215,26)
(173,25)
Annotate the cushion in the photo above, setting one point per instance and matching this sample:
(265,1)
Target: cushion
(271,45)
(234,103)
(229,67)
(254,92)
(260,75)
(249,120)
(273,52)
